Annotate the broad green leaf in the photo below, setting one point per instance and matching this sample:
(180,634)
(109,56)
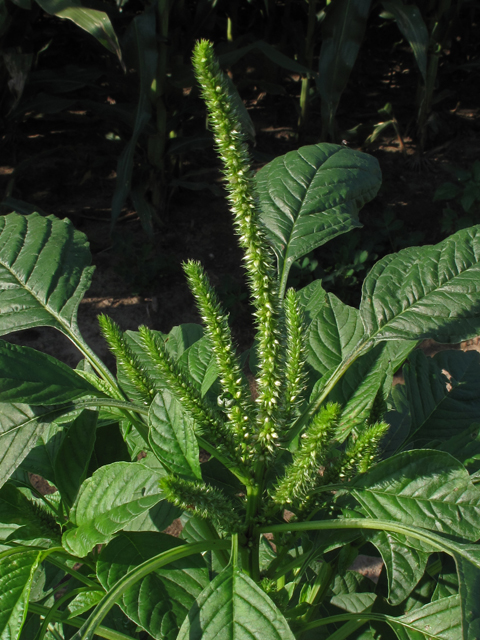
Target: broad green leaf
(160,601)
(342,34)
(413,28)
(312,298)
(233,607)
(44,273)
(333,334)
(426,292)
(399,419)
(73,457)
(35,378)
(469,588)
(16,508)
(446,580)
(201,364)
(369,378)
(439,620)
(423,488)
(172,436)
(405,564)
(96,23)
(465,447)
(145,39)
(442,393)
(20,427)
(84,601)
(112,497)
(310,196)
(17,569)
(353,592)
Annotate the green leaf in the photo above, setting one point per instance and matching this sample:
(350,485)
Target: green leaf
(312,298)
(96,23)
(310,196)
(333,334)
(160,601)
(44,273)
(413,28)
(35,378)
(469,588)
(442,393)
(439,620)
(73,456)
(16,508)
(233,607)
(423,488)
(426,292)
(172,436)
(201,364)
(342,34)
(84,601)
(353,592)
(20,427)
(17,568)
(404,563)
(112,497)
(369,378)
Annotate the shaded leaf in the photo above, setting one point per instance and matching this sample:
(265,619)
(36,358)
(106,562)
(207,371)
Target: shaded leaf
(35,378)
(342,34)
(413,28)
(96,23)
(73,457)
(20,427)
(443,393)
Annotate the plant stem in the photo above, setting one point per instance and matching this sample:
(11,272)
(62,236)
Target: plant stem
(102,632)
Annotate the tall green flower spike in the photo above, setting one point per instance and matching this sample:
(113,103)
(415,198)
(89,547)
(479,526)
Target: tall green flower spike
(127,362)
(360,455)
(240,410)
(295,357)
(204,501)
(301,476)
(257,257)
(208,420)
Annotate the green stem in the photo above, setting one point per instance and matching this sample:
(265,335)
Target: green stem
(54,610)
(88,630)
(304,102)
(102,632)
(233,468)
(75,336)
(73,572)
(437,541)
(319,589)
